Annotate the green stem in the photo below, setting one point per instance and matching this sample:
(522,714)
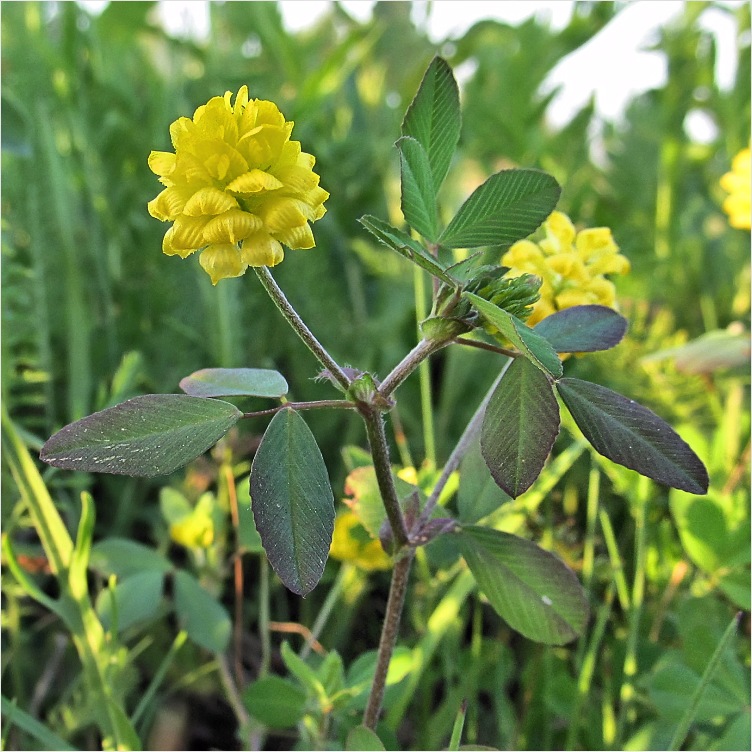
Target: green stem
(626,694)
(588,554)
(151,690)
(389,631)
(383,469)
(326,609)
(264,631)
(299,326)
(588,668)
(426,408)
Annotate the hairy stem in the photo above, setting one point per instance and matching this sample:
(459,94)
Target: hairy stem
(383,469)
(389,632)
(409,363)
(305,334)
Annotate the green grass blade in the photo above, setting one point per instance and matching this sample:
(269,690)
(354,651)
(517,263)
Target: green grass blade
(17,717)
(686,720)
(55,539)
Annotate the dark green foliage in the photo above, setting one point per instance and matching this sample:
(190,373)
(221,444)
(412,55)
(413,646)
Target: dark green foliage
(292,502)
(519,427)
(150,435)
(633,436)
(93,314)
(583,329)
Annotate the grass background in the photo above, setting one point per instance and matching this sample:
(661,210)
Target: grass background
(93,313)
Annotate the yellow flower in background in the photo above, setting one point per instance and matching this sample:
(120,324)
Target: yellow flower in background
(570,264)
(352,543)
(237,188)
(737,184)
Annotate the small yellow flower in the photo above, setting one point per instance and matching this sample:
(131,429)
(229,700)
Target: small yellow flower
(737,184)
(352,543)
(237,188)
(570,264)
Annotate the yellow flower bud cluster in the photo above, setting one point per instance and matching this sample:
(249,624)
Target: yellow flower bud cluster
(737,184)
(352,543)
(570,264)
(237,188)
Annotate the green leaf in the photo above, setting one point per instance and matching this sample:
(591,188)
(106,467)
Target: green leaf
(418,202)
(361,672)
(292,502)
(362,738)
(145,436)
(433,118)
(275,701)
(124,558)
(234,382)
(134,599)
(519,428)
(531,589)
(712,351)
(672,684)
(364,497)
(526,340)
(478,493)
(633,436)
(248,536)
(403,244)
(303,673)
(203,618)
(586,328)
(509,206)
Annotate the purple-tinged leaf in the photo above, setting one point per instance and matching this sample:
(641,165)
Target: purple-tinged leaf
(586,328)
(150,435)
(519,427)
(633,436)
(292,502)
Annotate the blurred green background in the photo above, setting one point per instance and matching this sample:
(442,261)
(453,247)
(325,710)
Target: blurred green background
(93,313)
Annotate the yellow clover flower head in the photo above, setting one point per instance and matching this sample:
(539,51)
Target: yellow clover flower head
(237,188)
(352,543)
(570,264)
(737,184)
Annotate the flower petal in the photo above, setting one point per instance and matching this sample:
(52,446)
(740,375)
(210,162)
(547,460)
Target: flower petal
(260,249)
(232,226)
(169,204)
(255,181)
(222,261)
(595,240)
(185,236)
(281,214)
(297,238)
(209,201)
(162,162)
(560,233)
